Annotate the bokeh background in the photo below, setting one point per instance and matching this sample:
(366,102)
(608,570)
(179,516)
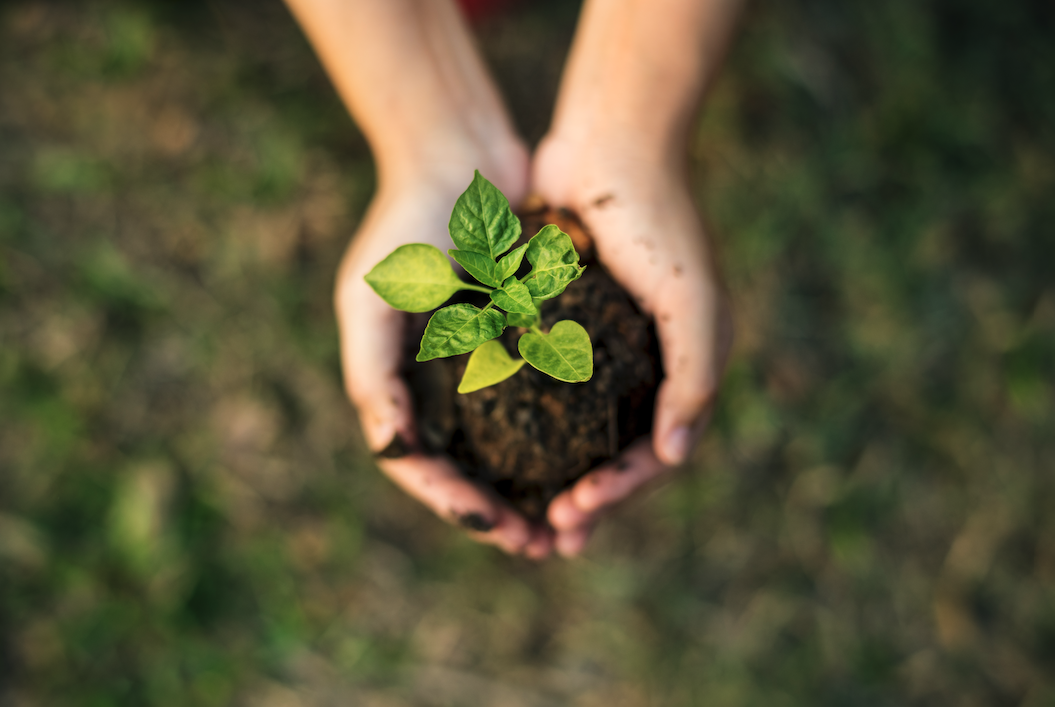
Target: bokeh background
(186,513)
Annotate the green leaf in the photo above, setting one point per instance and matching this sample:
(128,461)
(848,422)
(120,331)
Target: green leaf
(508,265)
(459,329)
(514,297)
(555,263)
(489,364)
(522,320)
(478,265)
(565,353)
(414,278)
(482,220)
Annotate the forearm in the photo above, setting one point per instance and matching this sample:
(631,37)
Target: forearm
(410,76)
(638,69)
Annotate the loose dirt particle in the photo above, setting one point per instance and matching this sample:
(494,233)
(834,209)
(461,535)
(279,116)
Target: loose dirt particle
(602,201)
(396,449)
(473,521)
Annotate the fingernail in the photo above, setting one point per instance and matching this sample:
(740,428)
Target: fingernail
(676,448)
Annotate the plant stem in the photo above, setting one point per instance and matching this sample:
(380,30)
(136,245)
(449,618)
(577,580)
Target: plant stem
(477,288)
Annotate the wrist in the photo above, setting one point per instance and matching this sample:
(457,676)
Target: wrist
(577,171)
(446,160)
(624,116)
(611,141)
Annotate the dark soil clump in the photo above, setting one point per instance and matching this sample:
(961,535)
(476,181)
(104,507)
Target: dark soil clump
(531,436)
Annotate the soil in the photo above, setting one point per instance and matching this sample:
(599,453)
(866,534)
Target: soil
(531,436)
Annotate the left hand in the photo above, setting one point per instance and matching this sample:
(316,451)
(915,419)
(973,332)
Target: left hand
(650,237)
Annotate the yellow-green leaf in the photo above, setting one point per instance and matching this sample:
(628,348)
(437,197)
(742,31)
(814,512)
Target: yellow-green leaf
(489,364)
(414,278)
(522,320)
(478,265)
(514,297)
(509,265)
(564,353)
(482,220)
(554,262)
(459,329)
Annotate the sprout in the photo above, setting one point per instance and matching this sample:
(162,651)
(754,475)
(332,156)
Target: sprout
(417,278)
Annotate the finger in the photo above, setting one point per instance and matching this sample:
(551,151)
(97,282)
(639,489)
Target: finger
(512,533)
(611,483)
(387,418)
(541,543)
(695,331)
(564,514)
(440,486)
(574,513)
(371,335)
(605,486)
(570,543)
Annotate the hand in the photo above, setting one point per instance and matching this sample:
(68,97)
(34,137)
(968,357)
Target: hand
(411,77)
(637,206)
(416,210)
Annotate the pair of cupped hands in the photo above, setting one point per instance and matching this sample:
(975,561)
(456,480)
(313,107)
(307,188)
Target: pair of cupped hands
(648,234)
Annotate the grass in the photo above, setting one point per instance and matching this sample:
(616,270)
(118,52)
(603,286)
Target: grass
(186,514)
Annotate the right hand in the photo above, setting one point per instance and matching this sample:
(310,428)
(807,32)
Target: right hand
(415,210)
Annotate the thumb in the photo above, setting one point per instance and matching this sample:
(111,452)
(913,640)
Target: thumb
(696,332)
(386,414)
(371,336)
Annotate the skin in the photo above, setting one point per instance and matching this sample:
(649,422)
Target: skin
(415,84)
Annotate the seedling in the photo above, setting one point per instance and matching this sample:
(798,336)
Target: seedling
(417,278)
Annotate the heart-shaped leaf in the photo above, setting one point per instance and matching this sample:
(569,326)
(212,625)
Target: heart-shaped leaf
(489,364)
(514,297)
(414,278)
(565,353)
(554,260)
(459,329)
(478,265)
(508,265)
(482,220)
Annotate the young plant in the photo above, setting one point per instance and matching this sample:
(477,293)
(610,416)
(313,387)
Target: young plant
(417,278)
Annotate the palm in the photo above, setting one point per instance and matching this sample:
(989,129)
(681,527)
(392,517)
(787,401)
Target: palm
(650,237)
(371,350)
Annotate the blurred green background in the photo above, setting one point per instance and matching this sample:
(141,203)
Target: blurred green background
(186,516)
